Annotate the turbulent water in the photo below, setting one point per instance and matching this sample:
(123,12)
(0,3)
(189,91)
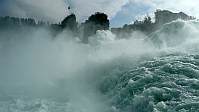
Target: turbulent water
(156,73)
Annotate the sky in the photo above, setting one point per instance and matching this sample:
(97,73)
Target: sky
(120,12)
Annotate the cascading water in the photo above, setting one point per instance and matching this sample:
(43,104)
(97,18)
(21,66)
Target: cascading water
(159,73)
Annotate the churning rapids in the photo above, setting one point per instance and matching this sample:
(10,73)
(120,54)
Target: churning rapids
(156,73)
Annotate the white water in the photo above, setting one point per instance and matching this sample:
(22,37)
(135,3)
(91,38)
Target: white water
(42,74)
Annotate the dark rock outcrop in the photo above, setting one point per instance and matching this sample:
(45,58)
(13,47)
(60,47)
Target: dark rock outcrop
(98,21)
(70,23)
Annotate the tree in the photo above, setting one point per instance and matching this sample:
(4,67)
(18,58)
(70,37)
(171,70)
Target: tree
(147,20)
(97,21)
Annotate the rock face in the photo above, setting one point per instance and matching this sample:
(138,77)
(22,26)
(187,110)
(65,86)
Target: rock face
(165,16)
(98,21)
(70,23)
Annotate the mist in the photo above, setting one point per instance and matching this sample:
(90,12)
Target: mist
(35,64)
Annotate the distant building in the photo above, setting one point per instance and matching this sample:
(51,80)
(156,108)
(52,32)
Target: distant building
(165,16)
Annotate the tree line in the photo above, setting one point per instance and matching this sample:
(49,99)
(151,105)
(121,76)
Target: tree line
(97,21)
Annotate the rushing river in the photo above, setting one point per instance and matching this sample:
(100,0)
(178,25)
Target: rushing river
(156,73)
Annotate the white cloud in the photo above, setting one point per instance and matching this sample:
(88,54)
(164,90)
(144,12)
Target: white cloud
(137,9)
(55,10)
(87,7)
(188,6)
(50,10)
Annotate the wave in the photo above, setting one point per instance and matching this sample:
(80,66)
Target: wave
(143,73)
(175,33)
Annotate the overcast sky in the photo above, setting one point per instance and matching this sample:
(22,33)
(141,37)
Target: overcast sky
(120,11)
